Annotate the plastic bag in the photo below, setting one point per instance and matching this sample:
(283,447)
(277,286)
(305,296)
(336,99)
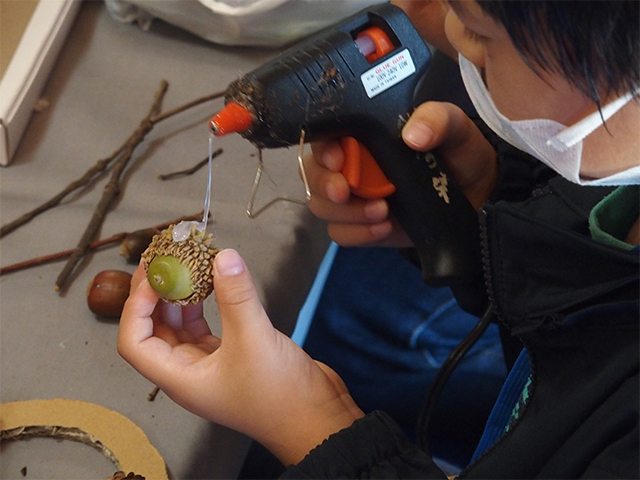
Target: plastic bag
(272,23)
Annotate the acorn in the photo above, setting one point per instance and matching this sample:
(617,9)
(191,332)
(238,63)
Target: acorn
(179,263)
(135,243)
(107,293)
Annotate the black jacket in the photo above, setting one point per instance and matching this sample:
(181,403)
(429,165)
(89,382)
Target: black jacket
(574,304)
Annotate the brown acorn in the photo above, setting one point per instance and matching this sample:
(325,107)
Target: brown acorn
(107,292)
(135,243)
(181,270)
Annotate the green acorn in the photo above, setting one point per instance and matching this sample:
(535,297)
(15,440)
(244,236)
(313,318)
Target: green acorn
(180,265)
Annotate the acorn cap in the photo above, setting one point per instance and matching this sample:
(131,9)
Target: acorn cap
(195,253)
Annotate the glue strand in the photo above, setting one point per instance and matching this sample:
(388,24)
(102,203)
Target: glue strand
(207,197)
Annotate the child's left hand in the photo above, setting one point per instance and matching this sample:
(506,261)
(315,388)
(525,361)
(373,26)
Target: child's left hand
(254,379)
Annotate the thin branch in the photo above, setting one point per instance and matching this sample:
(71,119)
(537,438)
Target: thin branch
(118,237)
(98,168)
(186,106)
(154,393)
(34,262)
(112,189)
(192,170)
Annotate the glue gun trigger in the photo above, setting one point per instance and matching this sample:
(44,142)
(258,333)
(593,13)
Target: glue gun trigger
(363,174)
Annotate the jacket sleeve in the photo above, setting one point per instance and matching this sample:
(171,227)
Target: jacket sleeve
(373,447)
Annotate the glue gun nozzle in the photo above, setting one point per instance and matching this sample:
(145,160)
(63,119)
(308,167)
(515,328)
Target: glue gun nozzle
(232,118)
(213,127)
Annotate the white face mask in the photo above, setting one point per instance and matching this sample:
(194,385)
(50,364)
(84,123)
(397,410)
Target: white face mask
(554,144)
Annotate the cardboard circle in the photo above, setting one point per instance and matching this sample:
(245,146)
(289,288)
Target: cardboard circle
(117,437)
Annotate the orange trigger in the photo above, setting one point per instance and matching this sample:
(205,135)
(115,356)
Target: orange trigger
(363,174)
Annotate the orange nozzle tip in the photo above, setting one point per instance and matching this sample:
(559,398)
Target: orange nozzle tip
(232,118)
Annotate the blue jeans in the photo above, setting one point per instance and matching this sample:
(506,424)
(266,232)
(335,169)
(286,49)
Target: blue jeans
(386,333)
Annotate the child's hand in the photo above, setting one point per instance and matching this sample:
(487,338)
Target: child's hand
(354,221)
(254,379)
(446,129)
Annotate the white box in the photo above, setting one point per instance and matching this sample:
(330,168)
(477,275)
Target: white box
(30,67)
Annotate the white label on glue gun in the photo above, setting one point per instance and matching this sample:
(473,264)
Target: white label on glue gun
(388,73)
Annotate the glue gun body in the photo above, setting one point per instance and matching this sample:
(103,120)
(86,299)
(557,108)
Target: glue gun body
(327,86)
(357,79)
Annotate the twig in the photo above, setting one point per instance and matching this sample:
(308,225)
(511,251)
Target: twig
(112,189)
(183,173)
(98,168)
(186,106)
(192,170)
(154,393)
(34,262)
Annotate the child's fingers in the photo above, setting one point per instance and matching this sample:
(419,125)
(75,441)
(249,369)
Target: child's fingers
(171,315)
(358,235)
(329,154)
(136,341)
(357,211)
(387,233)
(469,156)
(431,125)
(245,324)
(326,183)
(137,277)
(136,324)
(193,321)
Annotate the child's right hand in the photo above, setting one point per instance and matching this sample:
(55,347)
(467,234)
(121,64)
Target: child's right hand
(354,221)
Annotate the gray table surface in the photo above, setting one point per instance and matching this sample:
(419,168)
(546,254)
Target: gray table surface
(52,346)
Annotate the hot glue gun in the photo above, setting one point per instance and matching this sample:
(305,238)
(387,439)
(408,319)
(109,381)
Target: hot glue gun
(355,81)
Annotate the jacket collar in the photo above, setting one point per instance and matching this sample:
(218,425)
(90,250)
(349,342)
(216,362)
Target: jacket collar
(542,264)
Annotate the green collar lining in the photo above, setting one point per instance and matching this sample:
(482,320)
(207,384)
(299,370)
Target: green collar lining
(612,218)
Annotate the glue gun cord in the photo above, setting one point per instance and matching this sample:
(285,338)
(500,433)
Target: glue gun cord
(442,377)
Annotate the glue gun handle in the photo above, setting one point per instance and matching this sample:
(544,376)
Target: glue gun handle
(433,211)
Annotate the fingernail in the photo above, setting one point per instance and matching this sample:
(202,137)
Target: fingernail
(229,263)
(337,193)
(381,230)
(327,159)
(376,210)
(133,290)
(417,134)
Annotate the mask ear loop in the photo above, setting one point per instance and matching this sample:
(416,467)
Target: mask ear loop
(574,134)
(256,183)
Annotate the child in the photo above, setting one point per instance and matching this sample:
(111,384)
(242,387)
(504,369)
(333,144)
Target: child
(562,267)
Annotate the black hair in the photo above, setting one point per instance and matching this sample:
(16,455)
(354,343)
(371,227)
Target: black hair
(594,44)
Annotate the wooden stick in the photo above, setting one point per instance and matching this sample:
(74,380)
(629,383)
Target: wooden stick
(33,262)
(90,174)
(192,170)
(118,237)
(154,393)
(112,189)
(98,168)
(186,106)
